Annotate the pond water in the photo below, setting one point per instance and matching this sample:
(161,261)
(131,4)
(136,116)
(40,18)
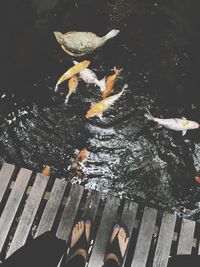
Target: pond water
(158,49)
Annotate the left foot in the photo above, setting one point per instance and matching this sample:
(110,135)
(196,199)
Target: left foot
(80,229)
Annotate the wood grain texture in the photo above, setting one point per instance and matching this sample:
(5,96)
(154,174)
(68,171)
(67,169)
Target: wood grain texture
(29,213)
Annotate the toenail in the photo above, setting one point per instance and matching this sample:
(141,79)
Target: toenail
(117,226)
(88,222)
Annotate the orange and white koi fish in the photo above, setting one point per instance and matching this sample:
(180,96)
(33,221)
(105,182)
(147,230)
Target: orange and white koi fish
(72,71)
(82,156)
(47,170)
(79,162)
(89,77)
(98,108)
(72,84)
(110,82)
(175,123)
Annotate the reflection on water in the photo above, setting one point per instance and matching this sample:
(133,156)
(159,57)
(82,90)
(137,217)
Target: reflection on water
(128,156)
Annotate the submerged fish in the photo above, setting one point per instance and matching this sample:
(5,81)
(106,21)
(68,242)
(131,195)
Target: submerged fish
(88,76)
(98,108)
(175,124)
(110,82)
(72,71)
(79,162)
(47,170)
(80,43)
(72,84)
(82,156)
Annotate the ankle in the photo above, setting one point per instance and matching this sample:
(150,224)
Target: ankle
(112,256)
(80,252)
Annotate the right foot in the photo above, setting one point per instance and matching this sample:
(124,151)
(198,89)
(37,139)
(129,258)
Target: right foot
(120,234)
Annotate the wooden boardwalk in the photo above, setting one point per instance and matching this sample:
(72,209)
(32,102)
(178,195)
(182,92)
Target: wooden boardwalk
(31,204)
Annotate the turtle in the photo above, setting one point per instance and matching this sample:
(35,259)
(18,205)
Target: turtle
(81,43)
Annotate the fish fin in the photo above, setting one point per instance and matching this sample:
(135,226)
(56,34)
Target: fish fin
(56,87)
(75,62)
(66,99)
(149,116)
(184,118)
(102,84)
(100,116)
(184,132)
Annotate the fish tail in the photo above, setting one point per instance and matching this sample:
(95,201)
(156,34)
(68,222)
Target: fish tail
(123,88)
(102,84)
(117,71)
(149,116)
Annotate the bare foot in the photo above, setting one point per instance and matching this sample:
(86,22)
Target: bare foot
(77,232)
(123,243)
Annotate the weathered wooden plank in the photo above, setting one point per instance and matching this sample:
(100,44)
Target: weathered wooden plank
(29,213)
(91,205)
(5,177)
(144,238)
(13,203)
(164,240)
(104,232)
(52,206)
(69,213)
(186,237)
(128,217)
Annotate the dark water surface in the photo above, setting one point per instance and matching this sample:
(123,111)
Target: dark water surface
(158,49)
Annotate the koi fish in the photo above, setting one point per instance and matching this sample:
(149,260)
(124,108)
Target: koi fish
(47,170)
(72,84)
(110,82)
(197,179)
(98,108)
(82,156)
(88,76)
(79,162)
(175,124)
(72,71)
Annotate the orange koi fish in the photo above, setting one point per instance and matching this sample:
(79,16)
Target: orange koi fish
(82,155)
(79,161)
(47,170)
(72,84)
(98,108)
(72,71)
(110,82)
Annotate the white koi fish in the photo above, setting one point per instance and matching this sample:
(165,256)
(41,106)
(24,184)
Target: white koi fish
(98,108)
(175,124)
(88,76)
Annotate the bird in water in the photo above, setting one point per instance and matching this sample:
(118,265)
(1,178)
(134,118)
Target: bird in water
(77,44)
(98,108)
(175,124)
(89,77)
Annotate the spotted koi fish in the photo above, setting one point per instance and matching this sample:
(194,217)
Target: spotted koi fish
(175,124)
(98,108)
